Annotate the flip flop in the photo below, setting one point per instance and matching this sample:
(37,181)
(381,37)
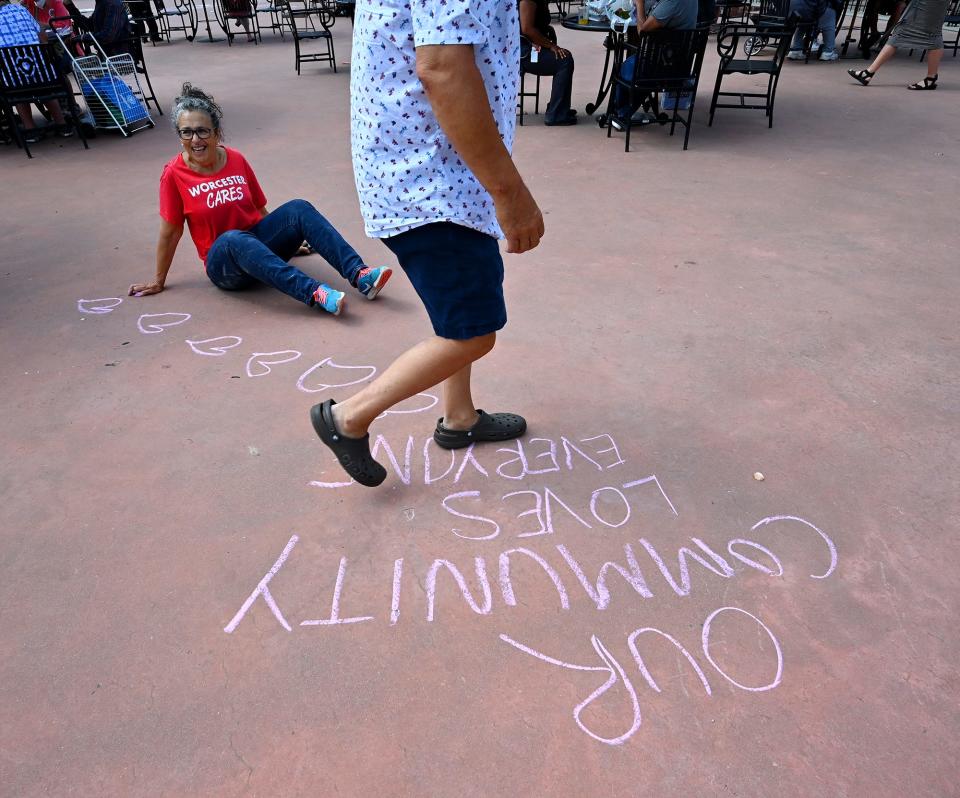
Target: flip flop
(489,427)
(352,453)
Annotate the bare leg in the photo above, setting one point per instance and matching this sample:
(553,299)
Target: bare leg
(26,115)
(459,412)
(933,62)
(883,56)
(56,112)
(428,363)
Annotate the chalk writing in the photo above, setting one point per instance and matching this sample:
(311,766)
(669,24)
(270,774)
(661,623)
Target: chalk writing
(259,363)
(100,306)
(215,347)
(468,460)
(617,674)
(170,320)
(596,589)
(262,590)
(328,363)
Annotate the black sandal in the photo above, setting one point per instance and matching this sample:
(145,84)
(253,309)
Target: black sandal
(489,427)
(927,84)
(352,453)
(862,76)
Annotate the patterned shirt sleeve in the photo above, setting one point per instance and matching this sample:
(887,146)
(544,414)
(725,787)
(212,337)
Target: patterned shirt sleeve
(450,21)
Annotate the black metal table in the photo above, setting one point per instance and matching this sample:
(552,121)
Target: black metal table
(572,22)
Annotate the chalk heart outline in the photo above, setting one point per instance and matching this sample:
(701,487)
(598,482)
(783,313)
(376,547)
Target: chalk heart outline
(88,306)
(209,348)
(433,402)
(328,361)
(159,326)
(259,359)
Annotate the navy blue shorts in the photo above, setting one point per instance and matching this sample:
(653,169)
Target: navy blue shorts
(458,274)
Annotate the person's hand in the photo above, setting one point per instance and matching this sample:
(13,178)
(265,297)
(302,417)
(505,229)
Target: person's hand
(559,52)
(520,219)
(145,289)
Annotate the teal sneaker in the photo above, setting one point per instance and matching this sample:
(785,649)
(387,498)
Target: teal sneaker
(330,299)
(370,281)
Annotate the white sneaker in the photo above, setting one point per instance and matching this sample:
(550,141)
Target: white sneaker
(796,55)
(829,55)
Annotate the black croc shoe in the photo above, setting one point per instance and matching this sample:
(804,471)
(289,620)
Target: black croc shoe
(352,453)
(489,427)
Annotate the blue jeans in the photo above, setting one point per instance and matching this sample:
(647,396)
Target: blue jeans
(241,258)
(827,25)
(621,97)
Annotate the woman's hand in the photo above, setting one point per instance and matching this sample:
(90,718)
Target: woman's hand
(559,52)
(145,289)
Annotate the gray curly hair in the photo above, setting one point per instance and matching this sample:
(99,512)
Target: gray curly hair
(195,99)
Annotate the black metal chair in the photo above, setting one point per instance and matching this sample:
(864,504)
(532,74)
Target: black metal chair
(309,24)
(274,14)
(31,73)
(767,61)
(182,17)
(665,61)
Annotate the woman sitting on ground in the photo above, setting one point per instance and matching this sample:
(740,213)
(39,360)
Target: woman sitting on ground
(215,191)
(920,28)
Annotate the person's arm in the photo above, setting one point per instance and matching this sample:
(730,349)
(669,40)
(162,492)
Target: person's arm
(528,11)
(455,89)
(651,23)
(166,248)
(641,14)
(81,22)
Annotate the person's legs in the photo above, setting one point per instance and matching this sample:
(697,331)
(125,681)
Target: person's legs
(621,97)
(286,228)
(883,56)
(561,70)
(458,274)
(238,258)
(428,363)
(828,28)
(933,62)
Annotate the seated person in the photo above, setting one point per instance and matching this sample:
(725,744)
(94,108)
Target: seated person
(539,55)
(215,191)
(109,24)
(140,13)
(824,14)
(17,26)
(652,15)
(240,11)
(43,10)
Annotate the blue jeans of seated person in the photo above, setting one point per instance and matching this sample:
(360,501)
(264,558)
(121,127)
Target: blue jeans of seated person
(240,258)
(827,25)
(621,97)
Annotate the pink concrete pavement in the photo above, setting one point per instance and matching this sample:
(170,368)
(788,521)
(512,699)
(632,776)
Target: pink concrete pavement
(781,301)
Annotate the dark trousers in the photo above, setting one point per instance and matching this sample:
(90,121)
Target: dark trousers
(140,12)
(239,259)
(561,69)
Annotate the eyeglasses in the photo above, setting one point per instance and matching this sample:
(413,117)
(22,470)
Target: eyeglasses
(187,133)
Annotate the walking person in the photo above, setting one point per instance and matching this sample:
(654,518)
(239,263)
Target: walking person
(215,191)
(921,28)
(433,93)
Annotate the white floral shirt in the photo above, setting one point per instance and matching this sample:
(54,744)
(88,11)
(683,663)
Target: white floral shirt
(407,172)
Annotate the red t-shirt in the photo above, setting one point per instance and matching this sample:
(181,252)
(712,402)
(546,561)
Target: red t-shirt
(211,204)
